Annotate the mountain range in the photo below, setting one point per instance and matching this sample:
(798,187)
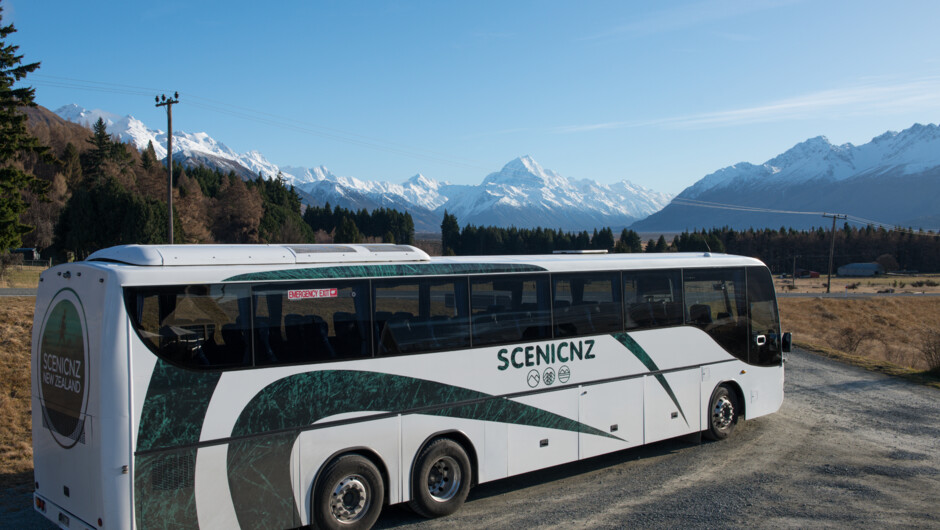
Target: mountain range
(521,194)
(893,179)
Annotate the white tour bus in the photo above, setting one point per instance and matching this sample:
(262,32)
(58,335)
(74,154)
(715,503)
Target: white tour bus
(276,386)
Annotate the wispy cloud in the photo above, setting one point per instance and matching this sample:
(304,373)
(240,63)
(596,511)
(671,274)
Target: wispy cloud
(864,99)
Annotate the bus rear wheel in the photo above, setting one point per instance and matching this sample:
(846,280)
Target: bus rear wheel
(350,494)
(722,414)
(441,479)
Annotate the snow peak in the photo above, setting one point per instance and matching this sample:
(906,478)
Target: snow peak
(562,352)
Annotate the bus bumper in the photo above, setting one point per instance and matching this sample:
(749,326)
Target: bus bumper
(57,515)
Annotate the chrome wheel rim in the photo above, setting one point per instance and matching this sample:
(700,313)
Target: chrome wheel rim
(350,500)
(444,479)
(723,413)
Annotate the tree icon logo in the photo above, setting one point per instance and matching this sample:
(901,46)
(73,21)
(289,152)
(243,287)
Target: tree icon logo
(548,376)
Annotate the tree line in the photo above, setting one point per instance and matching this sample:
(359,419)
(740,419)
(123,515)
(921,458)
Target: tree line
(905,250)
(809,249)
(492,240)
(390,225)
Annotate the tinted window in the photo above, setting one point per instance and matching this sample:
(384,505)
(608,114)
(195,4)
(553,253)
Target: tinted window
(311,322)
(653,299)
(764,321)
(716,302)
(413,316)
(510,309)
(197,326)
(584,304)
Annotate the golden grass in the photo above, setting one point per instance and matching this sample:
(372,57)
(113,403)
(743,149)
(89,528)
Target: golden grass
(879,329)
(920,283)
(16,450)
(21,277)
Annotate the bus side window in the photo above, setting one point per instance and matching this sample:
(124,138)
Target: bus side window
(586,304)
(311,322)
(202,327)
(715,303)
(420,315)
(653,299)
(510,309)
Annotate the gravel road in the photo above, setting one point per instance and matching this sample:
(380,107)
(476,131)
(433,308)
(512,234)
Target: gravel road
(848,448)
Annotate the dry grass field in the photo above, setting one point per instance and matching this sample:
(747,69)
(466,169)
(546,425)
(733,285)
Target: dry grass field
(16,453)
(900,331)
(918,283)
(19,276)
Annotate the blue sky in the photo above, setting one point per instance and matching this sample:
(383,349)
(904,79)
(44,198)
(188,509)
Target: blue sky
(658,93)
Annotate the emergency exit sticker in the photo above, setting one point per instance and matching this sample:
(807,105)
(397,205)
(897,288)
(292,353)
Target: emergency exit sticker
(306,294)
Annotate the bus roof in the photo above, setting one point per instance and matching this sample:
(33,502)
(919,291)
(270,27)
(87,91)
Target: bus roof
(183,255)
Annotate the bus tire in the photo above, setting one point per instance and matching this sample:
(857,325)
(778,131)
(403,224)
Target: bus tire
(722,413)
(349,495)
(441,479)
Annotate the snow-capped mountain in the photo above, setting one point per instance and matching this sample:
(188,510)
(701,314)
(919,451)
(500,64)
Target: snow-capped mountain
(522,193)
(894,178)
(193,148)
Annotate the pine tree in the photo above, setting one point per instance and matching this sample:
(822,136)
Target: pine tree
(148,158)
(72,166)
(661,244)
(15,140)
(450,234)
(347,232)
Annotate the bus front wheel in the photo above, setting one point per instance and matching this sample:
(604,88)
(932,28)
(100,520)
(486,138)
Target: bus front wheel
(441,479)
(350,494)
(723,413)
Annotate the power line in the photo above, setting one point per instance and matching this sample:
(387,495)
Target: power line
(720,206)
(849,218)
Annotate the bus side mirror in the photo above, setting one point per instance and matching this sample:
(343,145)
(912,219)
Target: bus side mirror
(787,342)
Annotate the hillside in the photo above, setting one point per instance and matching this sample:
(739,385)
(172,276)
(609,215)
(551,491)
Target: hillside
(893,179)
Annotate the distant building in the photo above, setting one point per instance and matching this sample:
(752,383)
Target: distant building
(28,253)
(861,270)
(806,273)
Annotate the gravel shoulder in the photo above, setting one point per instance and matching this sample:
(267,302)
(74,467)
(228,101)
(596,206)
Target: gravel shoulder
(849,447)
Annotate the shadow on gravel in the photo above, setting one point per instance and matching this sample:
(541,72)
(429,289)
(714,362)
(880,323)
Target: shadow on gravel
(400,515)
(16,502)
(17,481)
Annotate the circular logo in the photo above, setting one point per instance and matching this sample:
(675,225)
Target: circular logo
(548,375)
(564,373)
(63,369)
(533,378)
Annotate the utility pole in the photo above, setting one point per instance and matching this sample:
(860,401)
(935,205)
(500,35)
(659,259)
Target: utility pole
(832,245)
(163,101)
(794,270)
